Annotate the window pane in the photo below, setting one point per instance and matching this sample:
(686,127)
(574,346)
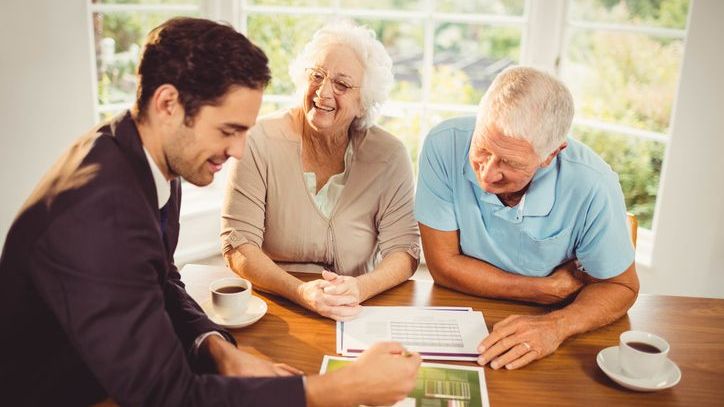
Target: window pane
(404,43)
(623,77)
(310,3)
(118,38)
(106,116)
(273,106)
(282,37)
(383,4)
(499,7)
(468,57)
(660,13)
(269,107)
(405,124)
(638,164)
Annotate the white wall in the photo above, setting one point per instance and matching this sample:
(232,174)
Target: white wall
(688,256)
(46,92)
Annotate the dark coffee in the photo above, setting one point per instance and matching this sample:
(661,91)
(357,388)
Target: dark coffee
(644,347)
(231,289)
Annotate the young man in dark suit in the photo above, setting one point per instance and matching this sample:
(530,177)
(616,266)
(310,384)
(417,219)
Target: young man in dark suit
(91,302)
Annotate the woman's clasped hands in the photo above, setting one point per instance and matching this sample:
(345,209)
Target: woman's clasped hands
(333,296)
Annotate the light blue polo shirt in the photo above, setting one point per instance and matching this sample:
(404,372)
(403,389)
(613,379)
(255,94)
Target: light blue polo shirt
(574,208)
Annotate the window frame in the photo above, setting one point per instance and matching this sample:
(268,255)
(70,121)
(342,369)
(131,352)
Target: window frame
(425,107)
(545,32)
(645,241)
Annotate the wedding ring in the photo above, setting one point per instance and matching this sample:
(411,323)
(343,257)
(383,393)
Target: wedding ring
(527,346)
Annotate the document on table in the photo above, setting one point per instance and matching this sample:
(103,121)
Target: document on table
(437,384)
(440,333)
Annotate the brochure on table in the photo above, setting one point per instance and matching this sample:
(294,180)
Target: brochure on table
(437,384)
(437,333)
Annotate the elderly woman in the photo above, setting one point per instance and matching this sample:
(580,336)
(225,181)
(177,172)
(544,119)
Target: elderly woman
(321,188)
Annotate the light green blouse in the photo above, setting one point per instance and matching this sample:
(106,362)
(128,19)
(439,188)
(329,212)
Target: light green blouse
(327,197)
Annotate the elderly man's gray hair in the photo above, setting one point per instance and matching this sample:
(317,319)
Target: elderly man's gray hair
(526,103)
(377,81)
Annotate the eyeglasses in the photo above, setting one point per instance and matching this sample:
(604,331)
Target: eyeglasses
(317,76)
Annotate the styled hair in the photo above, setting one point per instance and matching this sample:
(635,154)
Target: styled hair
(377,81)
(529,104)
(202,59)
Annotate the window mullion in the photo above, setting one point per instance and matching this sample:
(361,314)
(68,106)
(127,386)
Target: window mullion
(222,10)
(543,37)
(243,16)
(427,67)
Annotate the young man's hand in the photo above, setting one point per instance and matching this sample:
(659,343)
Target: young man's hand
(231,361)
(381,376)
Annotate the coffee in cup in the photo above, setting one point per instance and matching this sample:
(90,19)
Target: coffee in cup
(642,354)
(230,296)
(230,289)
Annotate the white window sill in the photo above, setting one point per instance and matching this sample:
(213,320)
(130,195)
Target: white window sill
(644,247)
(198,201)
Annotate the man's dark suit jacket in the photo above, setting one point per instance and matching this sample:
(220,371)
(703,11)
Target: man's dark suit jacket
(91,304)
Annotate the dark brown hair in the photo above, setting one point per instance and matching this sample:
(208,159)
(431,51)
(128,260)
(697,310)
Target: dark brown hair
(202,59)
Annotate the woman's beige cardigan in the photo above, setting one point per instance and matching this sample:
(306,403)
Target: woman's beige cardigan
(267,203)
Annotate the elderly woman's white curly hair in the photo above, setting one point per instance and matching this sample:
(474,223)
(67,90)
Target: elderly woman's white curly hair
(377,81)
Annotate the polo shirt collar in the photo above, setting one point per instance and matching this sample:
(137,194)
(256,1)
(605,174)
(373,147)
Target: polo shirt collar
(483,196)
(540,195)
(542,191)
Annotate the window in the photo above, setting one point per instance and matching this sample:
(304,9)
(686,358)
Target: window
(445,52)
(119,31)
(621,59)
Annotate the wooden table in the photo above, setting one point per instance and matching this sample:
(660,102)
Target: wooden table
(694,328)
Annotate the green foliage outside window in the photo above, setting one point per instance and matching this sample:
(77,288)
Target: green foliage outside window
(619,78)
(629,79)
(295,3)
(657,13)
(282,38)
(119,37)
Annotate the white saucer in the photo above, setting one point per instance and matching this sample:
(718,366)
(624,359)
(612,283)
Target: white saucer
(257,308)
(608,362)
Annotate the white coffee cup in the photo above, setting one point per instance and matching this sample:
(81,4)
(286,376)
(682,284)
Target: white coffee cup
(642,354)
(230,296)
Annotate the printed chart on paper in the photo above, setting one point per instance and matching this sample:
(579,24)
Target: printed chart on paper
(436,334)
(440,333)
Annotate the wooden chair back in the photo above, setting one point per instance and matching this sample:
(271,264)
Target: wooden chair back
(633,225)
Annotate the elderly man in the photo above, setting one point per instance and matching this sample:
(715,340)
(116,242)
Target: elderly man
(509,207)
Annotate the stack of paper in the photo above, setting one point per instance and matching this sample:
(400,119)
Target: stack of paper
(441,333)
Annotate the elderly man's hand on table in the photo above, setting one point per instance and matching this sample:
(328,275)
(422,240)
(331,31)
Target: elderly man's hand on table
(340,307)
(518,340)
